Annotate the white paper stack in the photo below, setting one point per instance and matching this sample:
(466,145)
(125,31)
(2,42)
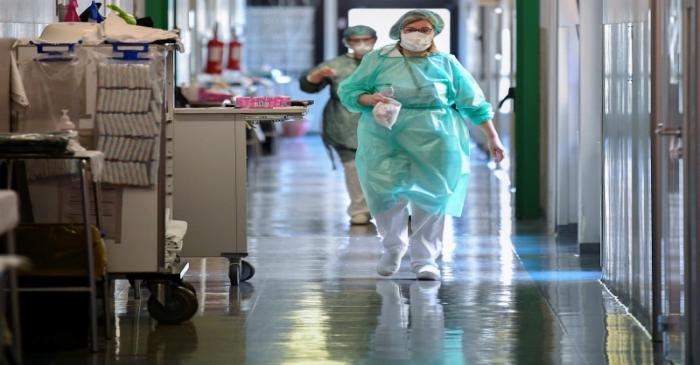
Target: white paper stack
(174,239)
(128,123)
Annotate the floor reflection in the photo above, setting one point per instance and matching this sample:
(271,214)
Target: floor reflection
(510,295)
(411,328)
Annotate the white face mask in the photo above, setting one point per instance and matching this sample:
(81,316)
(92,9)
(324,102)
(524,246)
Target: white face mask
(362,48)
(416,41)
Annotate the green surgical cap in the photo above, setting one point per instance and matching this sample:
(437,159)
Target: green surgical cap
(359,30)
(415,15)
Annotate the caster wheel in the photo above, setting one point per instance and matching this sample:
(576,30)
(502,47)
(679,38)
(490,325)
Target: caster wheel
(247,272)
(180,306)
(189,286)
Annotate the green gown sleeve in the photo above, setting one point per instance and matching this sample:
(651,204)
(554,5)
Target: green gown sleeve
(360,82)
(469,98)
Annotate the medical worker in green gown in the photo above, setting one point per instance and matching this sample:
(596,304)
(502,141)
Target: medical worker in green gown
(340,125)
(421,164)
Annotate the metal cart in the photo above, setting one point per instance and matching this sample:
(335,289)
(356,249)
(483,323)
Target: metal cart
(209,148)
(86,175)
(138,254)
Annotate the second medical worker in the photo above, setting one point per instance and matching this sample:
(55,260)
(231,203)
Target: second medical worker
(339,124)
(421,163)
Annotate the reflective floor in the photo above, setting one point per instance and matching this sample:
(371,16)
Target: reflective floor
(510,295)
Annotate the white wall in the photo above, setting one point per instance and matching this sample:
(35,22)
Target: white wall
(573,114)
(567,127)
(330,27)
(550,25)
(25,18)
(590,166)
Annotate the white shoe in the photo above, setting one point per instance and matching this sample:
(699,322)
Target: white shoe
(359,219)
(427,272)
(390,262)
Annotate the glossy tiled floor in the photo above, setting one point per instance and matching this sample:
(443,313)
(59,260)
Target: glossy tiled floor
(509,294)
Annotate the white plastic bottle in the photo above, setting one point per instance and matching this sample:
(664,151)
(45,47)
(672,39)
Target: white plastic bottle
(65,124)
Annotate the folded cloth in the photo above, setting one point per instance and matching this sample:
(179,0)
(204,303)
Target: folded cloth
(19,95)
(11,86)
(68,32)
(10,210)
(97,163)
(115,29)
(175,230)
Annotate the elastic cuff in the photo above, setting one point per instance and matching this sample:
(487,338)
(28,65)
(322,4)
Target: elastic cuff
(482,119)
(354,103)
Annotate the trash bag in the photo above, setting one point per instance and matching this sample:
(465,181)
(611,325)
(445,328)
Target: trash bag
(59,249)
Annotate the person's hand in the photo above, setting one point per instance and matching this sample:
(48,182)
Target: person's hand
(317,76)
(373,99)
(496,147)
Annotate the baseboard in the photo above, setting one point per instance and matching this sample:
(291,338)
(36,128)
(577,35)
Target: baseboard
(589,248)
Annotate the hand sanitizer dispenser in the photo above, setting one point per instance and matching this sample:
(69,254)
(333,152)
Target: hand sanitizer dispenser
(65,124)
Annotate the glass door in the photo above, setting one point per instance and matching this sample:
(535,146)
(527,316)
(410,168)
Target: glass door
(670,108)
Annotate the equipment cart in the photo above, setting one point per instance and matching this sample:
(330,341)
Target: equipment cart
(209,149)
(121,98)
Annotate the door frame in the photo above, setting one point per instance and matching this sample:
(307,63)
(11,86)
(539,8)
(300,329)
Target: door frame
(691,139)
(691,174)
(657,197)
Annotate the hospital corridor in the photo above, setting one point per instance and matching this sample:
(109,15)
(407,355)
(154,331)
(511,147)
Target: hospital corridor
(506,296)
(314,182)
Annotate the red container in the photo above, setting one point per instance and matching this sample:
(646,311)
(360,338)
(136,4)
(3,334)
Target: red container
(215,54)
(296,128)
(234,55)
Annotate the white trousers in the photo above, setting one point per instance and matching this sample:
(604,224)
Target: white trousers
(358,205)
(425,242)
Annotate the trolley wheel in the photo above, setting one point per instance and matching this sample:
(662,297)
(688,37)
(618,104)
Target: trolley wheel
(247,272)
(190,287)
(180,305)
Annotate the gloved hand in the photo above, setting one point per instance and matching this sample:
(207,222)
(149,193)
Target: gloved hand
(317,76)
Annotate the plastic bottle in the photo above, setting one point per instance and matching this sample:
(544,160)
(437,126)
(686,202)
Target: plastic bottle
(72,12)
(65,124)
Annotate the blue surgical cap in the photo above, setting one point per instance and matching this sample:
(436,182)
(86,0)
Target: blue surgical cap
(359,30)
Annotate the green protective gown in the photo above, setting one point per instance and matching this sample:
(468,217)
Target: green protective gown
(424,158)
(339,128)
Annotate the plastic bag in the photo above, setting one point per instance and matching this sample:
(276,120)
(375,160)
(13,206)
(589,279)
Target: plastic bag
(59,249)
(386,113)
(52,83)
